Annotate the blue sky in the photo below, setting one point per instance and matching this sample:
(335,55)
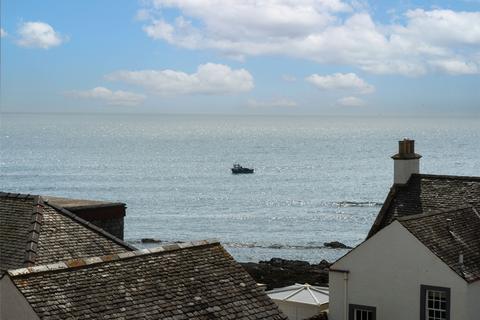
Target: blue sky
(211,56)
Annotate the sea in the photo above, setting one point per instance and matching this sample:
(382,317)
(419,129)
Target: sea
(317,178)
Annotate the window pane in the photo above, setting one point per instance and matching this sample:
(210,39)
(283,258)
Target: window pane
(436,305)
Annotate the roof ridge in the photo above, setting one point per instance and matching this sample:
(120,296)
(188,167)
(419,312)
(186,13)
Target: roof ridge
(434,213)
(34,232)
(15,195)
(445,176)
(90,226)
(84,262)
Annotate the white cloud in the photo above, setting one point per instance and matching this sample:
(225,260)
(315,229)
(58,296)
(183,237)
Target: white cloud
(121,98)
(341,81)
(455,67)
(329,32)
(276,103)
(3,33)
(350,102)
(38,35)
(210,78)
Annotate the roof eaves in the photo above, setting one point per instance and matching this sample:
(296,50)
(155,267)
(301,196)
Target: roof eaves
(84,262)
(91,226)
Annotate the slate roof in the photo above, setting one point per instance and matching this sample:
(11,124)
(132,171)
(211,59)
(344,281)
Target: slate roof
(35,232)
(197,280)
(448,234)
(425,193)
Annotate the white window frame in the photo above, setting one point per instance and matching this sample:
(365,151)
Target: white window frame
(357,307)
(424,299)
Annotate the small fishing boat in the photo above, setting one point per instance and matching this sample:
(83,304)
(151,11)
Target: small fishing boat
(238,169)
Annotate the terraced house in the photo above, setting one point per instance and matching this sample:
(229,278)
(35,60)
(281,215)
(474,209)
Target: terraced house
(55,265)
(421,259)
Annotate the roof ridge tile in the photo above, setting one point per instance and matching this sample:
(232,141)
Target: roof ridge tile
(15,195)
(446,176)
(434,213)
(34,232)
(83,262)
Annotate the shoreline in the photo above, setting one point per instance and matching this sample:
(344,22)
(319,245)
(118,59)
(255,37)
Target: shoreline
(278,272)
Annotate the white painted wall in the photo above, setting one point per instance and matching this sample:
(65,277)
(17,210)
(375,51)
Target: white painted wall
(403,169)
(473,302)
(386,272)
(13,306)
(297,311)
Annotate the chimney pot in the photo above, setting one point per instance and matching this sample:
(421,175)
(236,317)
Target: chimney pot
(406,161)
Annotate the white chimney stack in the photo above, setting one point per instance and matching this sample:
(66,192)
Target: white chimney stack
(406,162)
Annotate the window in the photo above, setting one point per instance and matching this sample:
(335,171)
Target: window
(434,303)
(359,312)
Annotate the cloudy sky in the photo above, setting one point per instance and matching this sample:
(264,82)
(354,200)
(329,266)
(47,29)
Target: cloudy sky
(245,56)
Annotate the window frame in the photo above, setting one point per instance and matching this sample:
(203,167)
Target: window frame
(353,307)
(423,299)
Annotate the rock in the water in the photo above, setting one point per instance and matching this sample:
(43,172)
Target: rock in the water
(278,273)
(150,240)
(336,245)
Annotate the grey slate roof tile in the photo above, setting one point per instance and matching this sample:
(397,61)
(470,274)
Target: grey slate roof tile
(425,194)
(193,281)
(448,235)
(441,211)
(33,232)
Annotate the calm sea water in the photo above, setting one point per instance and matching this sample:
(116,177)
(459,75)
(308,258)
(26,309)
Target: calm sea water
(317,179)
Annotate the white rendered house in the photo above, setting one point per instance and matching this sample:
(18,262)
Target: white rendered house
(399,274)
(421,259)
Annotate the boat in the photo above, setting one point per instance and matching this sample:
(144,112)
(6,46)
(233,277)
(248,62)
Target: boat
(238,169)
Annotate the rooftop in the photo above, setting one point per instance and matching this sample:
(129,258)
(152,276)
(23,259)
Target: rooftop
(33,232)
(195,280)
(453,236)
(425,193)
(69,203)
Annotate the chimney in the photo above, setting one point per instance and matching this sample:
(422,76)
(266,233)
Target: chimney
(405,162)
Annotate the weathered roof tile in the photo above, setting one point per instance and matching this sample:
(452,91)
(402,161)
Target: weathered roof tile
(448,235)
(424,193)
(33,232)
(176,283)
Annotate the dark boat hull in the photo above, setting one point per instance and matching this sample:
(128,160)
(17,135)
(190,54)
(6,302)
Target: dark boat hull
(242,170)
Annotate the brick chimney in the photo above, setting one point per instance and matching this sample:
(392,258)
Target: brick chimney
(405,162)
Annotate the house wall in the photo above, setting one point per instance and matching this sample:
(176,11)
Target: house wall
(474,300)
(297,311)
(386,272)
(12,303)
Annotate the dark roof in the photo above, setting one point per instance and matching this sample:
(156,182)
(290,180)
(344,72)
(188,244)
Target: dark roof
(182,281)
(449,234)
(75,204)
(34,232)
(426,194)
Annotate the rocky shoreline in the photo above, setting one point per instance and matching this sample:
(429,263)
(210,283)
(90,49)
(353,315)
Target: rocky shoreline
(278,272)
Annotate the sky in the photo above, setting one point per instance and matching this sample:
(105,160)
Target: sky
(245,57)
